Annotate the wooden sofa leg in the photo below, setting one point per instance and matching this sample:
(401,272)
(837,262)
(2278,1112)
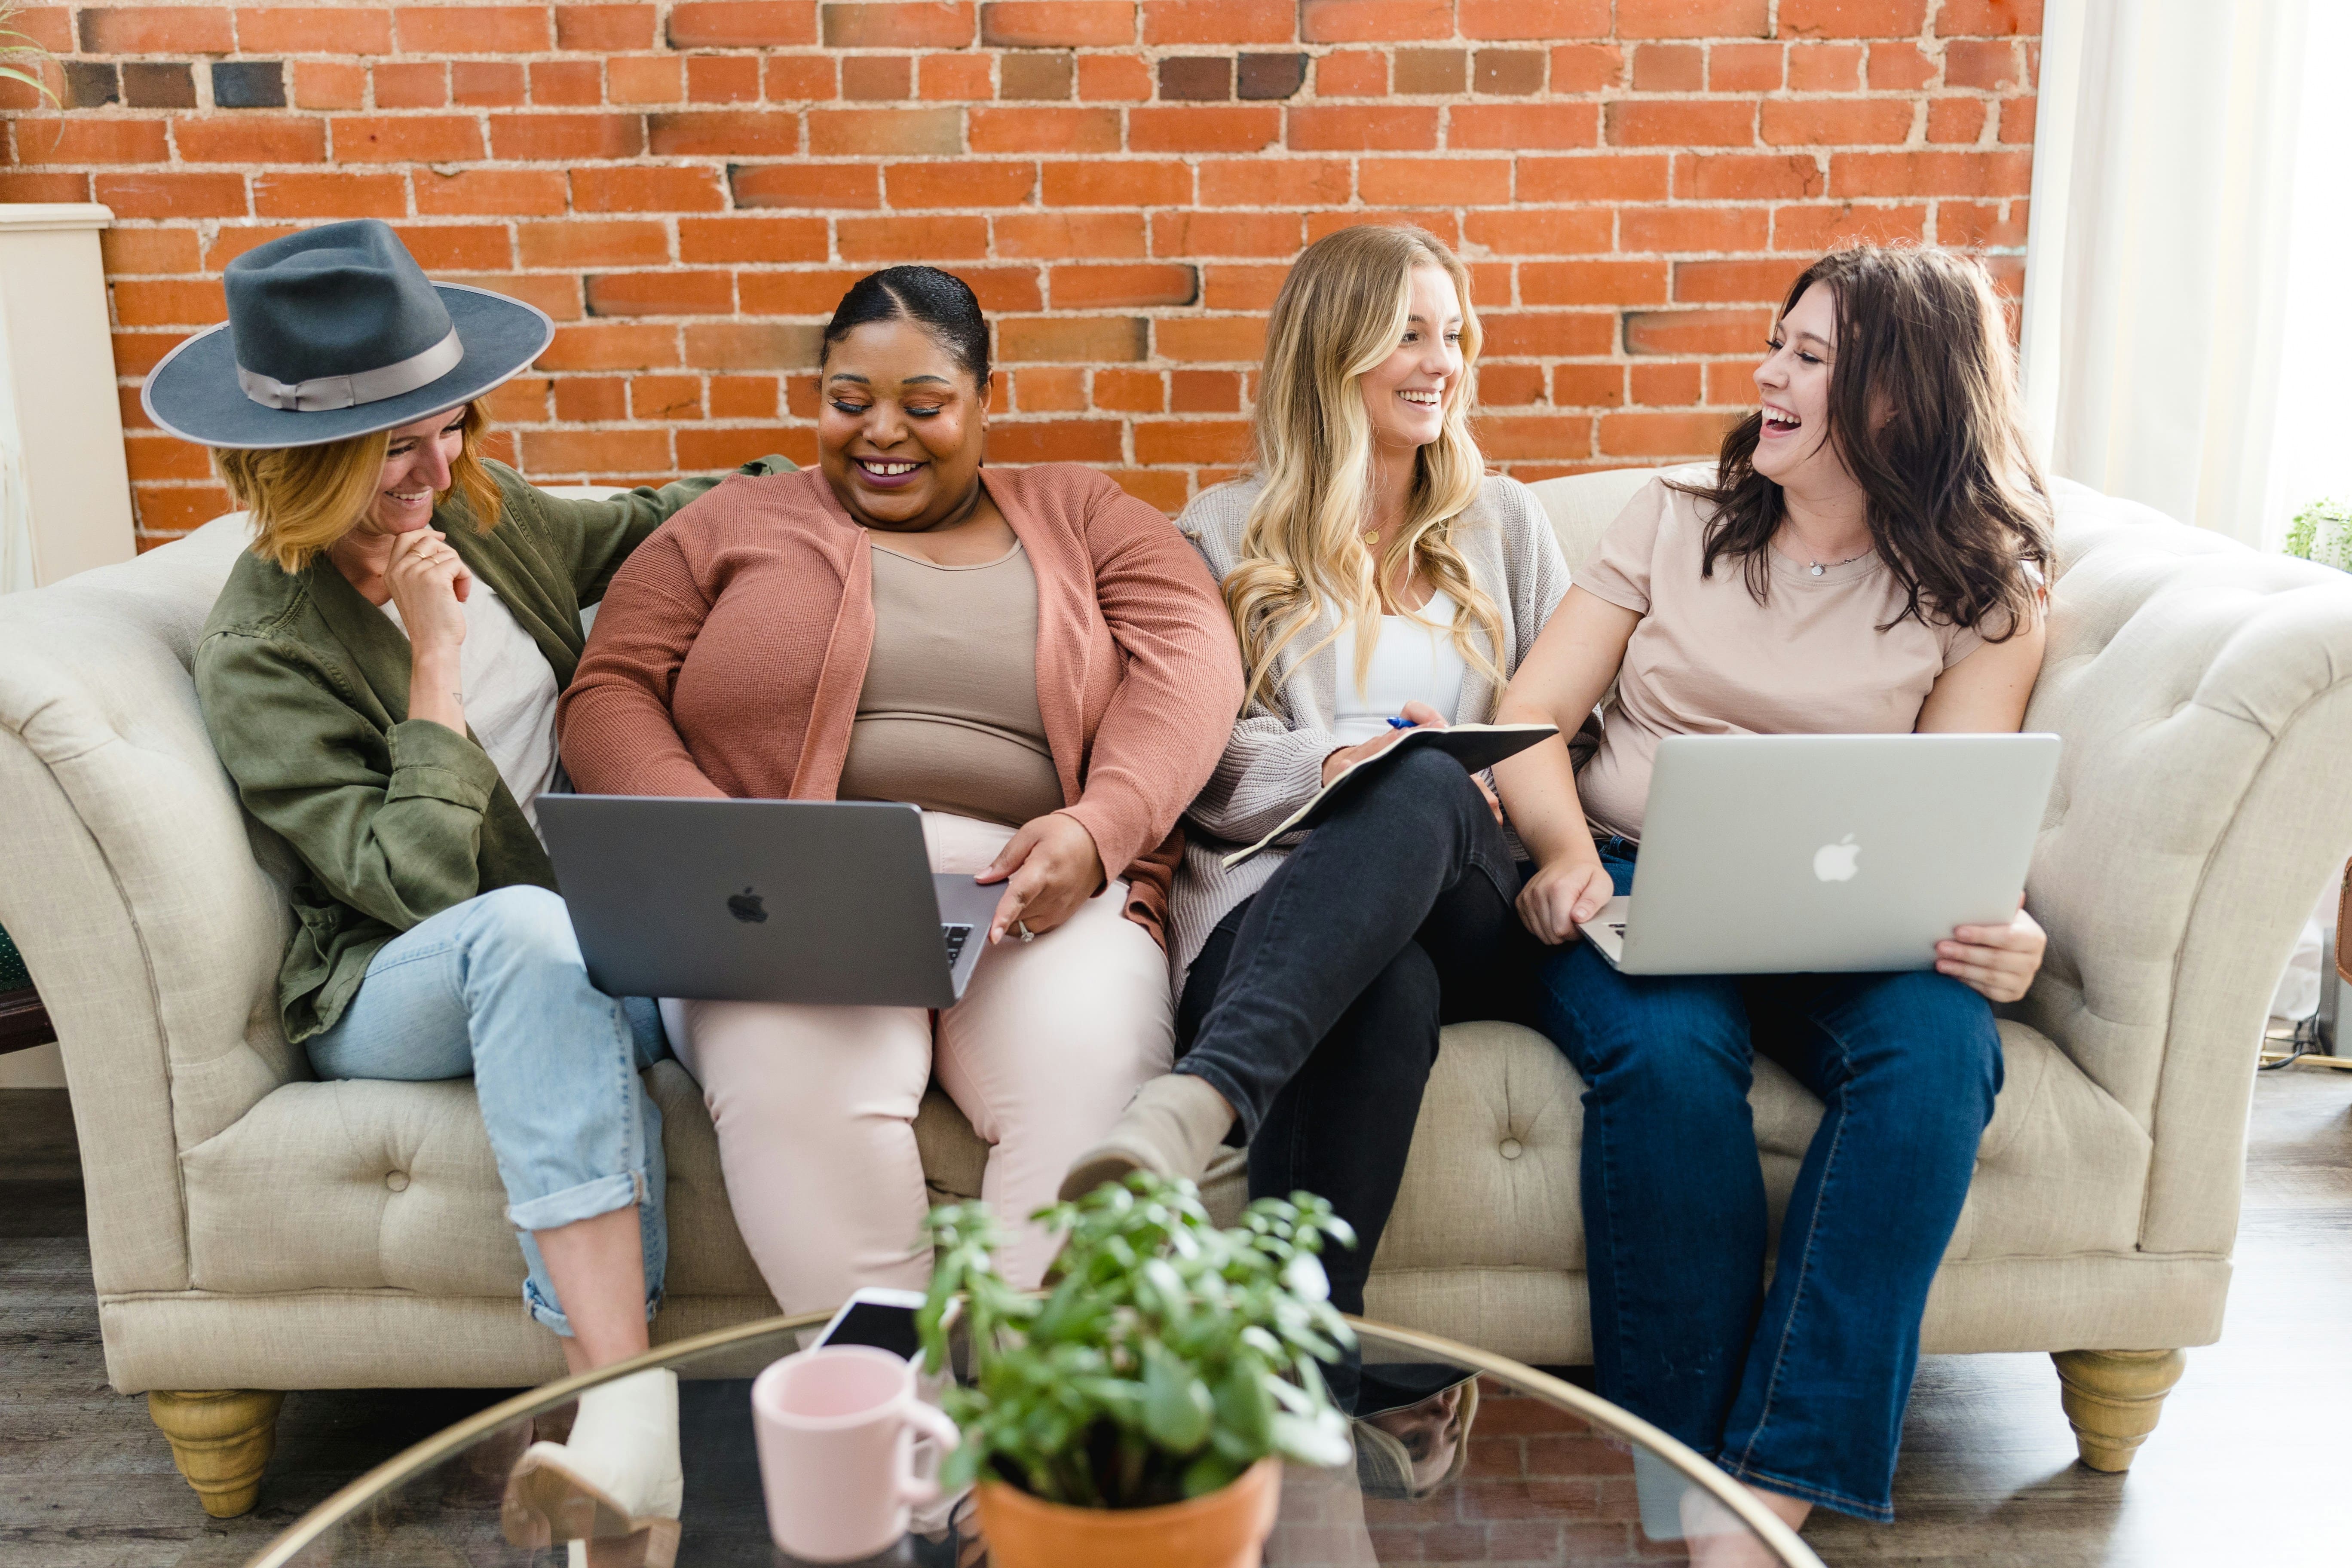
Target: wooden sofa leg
(2113,1398)
(221,1441)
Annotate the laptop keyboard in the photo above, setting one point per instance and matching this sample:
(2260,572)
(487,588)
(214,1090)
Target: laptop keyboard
(957,936)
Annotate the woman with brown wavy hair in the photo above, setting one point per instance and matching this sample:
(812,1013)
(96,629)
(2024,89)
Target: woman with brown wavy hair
(1376,575)
(1867,556)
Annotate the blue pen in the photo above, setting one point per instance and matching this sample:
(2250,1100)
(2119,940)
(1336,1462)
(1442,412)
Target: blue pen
(1402,724)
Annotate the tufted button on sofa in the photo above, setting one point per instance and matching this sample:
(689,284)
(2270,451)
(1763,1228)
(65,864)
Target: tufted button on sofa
(253,1230)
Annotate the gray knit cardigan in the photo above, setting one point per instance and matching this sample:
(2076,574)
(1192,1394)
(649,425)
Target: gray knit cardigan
(1273,762)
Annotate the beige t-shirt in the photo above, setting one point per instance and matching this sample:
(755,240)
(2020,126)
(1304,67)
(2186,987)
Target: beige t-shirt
(949,718)
(1708,660)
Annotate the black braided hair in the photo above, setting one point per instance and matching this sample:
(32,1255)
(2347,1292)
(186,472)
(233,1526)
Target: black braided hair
(939,302)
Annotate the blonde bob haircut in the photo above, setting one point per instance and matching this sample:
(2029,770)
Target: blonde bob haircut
(1343,311)
(305,498)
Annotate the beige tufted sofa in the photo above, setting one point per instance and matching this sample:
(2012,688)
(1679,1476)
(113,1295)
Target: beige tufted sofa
(254,1231)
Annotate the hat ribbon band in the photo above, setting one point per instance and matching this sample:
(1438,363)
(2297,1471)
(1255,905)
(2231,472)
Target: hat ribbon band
(327,392)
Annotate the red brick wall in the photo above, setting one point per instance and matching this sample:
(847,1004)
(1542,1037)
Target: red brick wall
(1541,1487)
(688,188)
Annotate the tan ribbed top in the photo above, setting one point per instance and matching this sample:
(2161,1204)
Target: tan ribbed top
(948,718)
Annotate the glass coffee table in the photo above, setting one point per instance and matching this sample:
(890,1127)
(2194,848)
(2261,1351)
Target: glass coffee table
(1471,1458)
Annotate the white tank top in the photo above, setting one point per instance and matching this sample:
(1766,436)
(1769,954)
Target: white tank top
(1410,663)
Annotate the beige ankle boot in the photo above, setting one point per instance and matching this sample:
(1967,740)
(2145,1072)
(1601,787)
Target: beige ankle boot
(1173,1126)
(613,1488)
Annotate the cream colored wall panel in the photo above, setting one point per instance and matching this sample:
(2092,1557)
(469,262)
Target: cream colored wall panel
(65,489)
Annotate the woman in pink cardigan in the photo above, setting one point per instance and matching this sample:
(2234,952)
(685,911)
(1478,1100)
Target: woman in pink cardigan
(1038,660)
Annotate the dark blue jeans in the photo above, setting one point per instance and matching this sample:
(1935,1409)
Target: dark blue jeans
(1314,1008)
(1799,1389)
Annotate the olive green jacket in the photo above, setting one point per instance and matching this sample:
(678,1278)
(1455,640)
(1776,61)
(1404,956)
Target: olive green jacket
(304,687)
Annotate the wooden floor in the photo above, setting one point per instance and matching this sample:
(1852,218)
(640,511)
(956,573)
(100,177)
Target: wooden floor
(2252,1467)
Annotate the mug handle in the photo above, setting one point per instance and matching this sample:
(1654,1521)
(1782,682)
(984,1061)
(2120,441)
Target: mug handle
(934,1424)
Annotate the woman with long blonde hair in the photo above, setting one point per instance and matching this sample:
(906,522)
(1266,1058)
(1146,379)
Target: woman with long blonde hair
(1379,579)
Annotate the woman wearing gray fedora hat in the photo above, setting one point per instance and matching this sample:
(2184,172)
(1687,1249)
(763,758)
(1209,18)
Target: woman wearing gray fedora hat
(380,677)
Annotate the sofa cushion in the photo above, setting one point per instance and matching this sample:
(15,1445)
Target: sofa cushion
(1493,1180)
(358,1184)
(367,1185)
(1582,506)
(398,1189)
(2063,1167)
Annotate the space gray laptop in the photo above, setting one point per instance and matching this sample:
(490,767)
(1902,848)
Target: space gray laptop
(1829,854)
(763,900)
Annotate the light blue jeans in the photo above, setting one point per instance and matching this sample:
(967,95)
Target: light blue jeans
(495,987)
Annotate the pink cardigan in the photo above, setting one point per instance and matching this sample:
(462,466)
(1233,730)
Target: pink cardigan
(730,649)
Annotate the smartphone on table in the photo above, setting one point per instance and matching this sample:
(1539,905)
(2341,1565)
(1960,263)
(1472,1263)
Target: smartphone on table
(882,1317)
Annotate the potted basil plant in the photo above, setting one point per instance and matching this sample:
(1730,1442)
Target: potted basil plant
(1138,1409)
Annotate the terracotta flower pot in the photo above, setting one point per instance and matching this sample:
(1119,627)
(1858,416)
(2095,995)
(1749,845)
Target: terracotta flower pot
(1226,1528)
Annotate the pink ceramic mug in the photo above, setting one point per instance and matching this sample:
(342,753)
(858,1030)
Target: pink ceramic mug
(837,1428)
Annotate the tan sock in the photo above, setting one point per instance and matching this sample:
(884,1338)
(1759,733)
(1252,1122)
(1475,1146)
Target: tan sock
(1173,1126)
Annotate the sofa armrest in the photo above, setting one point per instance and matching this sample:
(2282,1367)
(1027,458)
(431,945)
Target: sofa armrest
(2205,695)
(129,879)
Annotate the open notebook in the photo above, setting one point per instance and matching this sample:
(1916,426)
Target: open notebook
(1477,747)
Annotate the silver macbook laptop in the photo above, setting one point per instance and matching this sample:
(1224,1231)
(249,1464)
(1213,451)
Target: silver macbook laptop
(1829,853)
(763,900)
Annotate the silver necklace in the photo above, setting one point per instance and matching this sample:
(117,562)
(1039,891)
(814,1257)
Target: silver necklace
(1816,568)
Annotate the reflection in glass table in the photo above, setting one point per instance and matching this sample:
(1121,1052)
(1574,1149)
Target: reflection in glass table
(1465,1458)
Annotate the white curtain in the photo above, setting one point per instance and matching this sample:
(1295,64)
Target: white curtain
(2156,254)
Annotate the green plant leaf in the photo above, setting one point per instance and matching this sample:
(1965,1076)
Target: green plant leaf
(1168,1355)
(1321,1440)
(1305,1276)
(1245,1414)
(1177,1409)
(1209,1472)
(1245,1408)
(960,1466)
(2321,531)
(23,46)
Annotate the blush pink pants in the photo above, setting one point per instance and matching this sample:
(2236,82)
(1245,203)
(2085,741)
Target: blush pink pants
(815,1106)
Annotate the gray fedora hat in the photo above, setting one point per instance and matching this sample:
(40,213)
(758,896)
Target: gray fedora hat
(333,332)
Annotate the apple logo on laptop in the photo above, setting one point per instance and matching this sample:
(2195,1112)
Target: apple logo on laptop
(745,906)
(1835,862)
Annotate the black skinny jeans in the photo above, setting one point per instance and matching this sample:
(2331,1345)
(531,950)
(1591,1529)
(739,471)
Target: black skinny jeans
(1315,1005)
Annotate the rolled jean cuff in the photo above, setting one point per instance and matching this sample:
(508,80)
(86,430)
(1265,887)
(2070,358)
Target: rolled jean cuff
(586,1201)
(544,1313)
